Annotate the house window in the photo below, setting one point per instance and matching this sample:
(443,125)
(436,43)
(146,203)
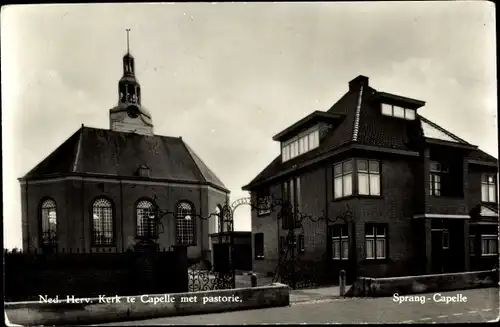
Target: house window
(376,241)
(301,243)
(446,239)
(292,197)
(340,242)
(489,245)
(342,176)
(369,177)
(436,171)
(102,222)
(398,112)
(146,226)
(49,222)
(283,245)
(263,202)
(300,144)
(489,188)
(185,224)
(259,245)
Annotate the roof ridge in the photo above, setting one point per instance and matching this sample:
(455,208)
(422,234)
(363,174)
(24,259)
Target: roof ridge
(191,156)
(78,149)
(356,116)
(450,134)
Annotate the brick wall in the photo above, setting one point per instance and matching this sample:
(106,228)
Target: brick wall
(74,200)
(29,275)
(405,189)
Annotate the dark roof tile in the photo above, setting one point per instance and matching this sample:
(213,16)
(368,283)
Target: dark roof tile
(106,152)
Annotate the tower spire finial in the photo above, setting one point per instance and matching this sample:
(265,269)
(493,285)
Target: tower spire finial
(128,41)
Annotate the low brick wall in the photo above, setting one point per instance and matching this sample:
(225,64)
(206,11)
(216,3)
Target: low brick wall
(176,304)
(379,287)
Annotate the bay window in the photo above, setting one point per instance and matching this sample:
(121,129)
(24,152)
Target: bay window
(368,177)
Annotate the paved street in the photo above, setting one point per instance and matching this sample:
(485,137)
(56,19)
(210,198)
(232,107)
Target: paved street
(481,306)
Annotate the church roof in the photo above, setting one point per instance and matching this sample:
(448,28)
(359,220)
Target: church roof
(94,151)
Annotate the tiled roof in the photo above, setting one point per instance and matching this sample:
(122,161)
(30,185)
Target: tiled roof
(365,125)
(110,153)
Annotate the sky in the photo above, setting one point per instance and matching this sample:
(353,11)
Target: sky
(227,77)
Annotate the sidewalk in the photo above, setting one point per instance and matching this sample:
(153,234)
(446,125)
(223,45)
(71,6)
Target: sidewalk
(296,296)
(316,294)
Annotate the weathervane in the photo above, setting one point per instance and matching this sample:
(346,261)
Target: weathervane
(128,31)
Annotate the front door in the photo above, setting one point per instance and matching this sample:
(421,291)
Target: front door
(441,258)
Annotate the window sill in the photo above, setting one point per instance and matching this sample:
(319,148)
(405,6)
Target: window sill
(489,255)
(262,214)
(349,197)
(377,261)
(340,260)
(448,197)
(259,258)
(358,197)
(364,196)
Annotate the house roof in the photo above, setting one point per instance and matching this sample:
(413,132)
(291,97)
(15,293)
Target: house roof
(488,211)
(364,125)
(104,152)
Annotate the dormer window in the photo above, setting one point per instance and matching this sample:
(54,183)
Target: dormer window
(300,144)
(398,112)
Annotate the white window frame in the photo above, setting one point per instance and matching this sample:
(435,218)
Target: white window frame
(144,215)
(389,110)
(300,144)
(485,250)
(343,176)
(369,173)
(102,223)
(487,186)
(374,238)
(340,240)
(185,227)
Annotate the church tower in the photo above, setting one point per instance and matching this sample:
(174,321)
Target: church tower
(129,115)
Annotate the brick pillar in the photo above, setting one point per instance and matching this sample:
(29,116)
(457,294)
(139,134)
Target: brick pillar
(428,245)
(466,245)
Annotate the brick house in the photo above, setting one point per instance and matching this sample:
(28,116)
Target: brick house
(95,192)
(423,200)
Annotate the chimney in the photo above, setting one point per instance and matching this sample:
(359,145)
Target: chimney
(355,84)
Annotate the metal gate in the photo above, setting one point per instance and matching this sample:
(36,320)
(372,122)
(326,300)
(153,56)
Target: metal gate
(297,270)
(220,275)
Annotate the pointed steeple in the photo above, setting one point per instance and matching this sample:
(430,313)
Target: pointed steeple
(136,119)
(128,88)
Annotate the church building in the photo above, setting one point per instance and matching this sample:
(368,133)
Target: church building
(97,191)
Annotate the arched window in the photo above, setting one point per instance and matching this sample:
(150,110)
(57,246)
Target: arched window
(185,224)
(102,222)
(146,226)
(49,222)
